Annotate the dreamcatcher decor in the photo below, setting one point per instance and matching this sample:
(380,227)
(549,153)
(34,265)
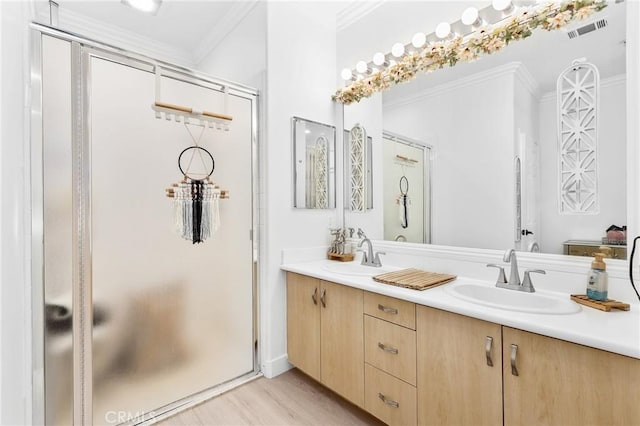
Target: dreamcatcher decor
(196,197)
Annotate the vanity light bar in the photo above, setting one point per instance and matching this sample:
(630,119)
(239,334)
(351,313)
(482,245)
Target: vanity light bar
(471,20)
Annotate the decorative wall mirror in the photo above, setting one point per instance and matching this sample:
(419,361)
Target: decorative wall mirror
(314,151)
(480,116)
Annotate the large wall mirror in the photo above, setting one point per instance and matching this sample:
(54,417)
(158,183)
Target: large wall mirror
(491,127)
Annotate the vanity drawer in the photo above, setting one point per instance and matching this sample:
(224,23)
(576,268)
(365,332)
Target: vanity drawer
(389,399)
(391,348)
(390,309)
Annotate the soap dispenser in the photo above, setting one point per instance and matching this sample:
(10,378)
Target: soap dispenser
(598,284)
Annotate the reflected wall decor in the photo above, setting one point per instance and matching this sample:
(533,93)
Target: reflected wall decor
(577,94)
(357,168)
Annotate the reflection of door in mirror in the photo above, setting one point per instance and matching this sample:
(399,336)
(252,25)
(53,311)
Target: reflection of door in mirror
(406,189)
(527,152)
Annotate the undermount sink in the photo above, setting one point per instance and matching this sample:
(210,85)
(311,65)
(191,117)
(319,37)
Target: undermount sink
(356,269)
(512,300)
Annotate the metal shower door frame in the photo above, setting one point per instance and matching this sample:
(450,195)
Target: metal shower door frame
(82,51)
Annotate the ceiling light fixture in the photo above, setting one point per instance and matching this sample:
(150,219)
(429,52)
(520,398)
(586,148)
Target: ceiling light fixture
(146,6)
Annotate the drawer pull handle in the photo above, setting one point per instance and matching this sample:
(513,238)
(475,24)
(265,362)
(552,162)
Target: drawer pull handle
(322,297)
(389,402)
(514,354)
(389,349)
(386,310)
(487,350)
(314,296)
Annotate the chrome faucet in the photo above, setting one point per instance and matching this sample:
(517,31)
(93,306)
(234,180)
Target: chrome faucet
(368,258)
(514,276)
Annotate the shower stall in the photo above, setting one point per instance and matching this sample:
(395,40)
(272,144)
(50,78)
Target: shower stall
(131,320)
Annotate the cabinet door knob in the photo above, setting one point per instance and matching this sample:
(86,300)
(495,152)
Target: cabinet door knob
(389,402)
(322,297)
(514,354)
(314,296)
(387,310)
(388,348)
(488,344)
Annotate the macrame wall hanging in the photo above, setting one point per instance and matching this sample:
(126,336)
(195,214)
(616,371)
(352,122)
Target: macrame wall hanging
(195,197)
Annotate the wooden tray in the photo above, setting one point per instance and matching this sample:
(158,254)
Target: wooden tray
(606,305)
(348,257)
(414,279)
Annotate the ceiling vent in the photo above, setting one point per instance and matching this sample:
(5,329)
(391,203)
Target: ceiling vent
(587,28)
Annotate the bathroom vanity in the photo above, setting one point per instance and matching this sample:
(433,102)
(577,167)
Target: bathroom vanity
(411,357)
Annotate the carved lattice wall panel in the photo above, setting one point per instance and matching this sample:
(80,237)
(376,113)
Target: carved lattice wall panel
(321,172)
(577,94)
(357,168)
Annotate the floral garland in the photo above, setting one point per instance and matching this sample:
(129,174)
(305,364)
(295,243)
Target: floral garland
(483,41)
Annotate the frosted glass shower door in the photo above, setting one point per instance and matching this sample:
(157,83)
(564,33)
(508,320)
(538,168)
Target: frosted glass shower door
(178,317)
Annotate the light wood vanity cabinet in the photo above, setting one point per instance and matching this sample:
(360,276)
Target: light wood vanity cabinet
(409,364)
(325,334)
(456,384)
(390,359)
(562,383)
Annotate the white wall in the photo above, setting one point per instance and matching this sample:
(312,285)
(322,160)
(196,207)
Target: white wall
(612,180)
(15,324)
(288,51)
(469,124)
(301,64)
(241,56)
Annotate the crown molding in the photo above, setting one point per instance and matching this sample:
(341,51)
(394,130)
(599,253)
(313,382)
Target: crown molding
(116,36)
(528,81)
(507,69)
(220,31)
(620,79)
(355,11)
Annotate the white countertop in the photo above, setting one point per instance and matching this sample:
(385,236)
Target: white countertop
(615,331)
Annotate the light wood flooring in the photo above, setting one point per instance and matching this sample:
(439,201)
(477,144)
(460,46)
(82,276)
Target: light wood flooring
(289,399)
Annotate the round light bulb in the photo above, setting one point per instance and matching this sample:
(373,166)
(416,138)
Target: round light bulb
(443,30)
(362,67)
(379,59)
(346,74)
(418,40)
(397,50)
(470,16)
(502,5)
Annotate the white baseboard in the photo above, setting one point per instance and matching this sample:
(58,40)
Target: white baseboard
(276,366)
